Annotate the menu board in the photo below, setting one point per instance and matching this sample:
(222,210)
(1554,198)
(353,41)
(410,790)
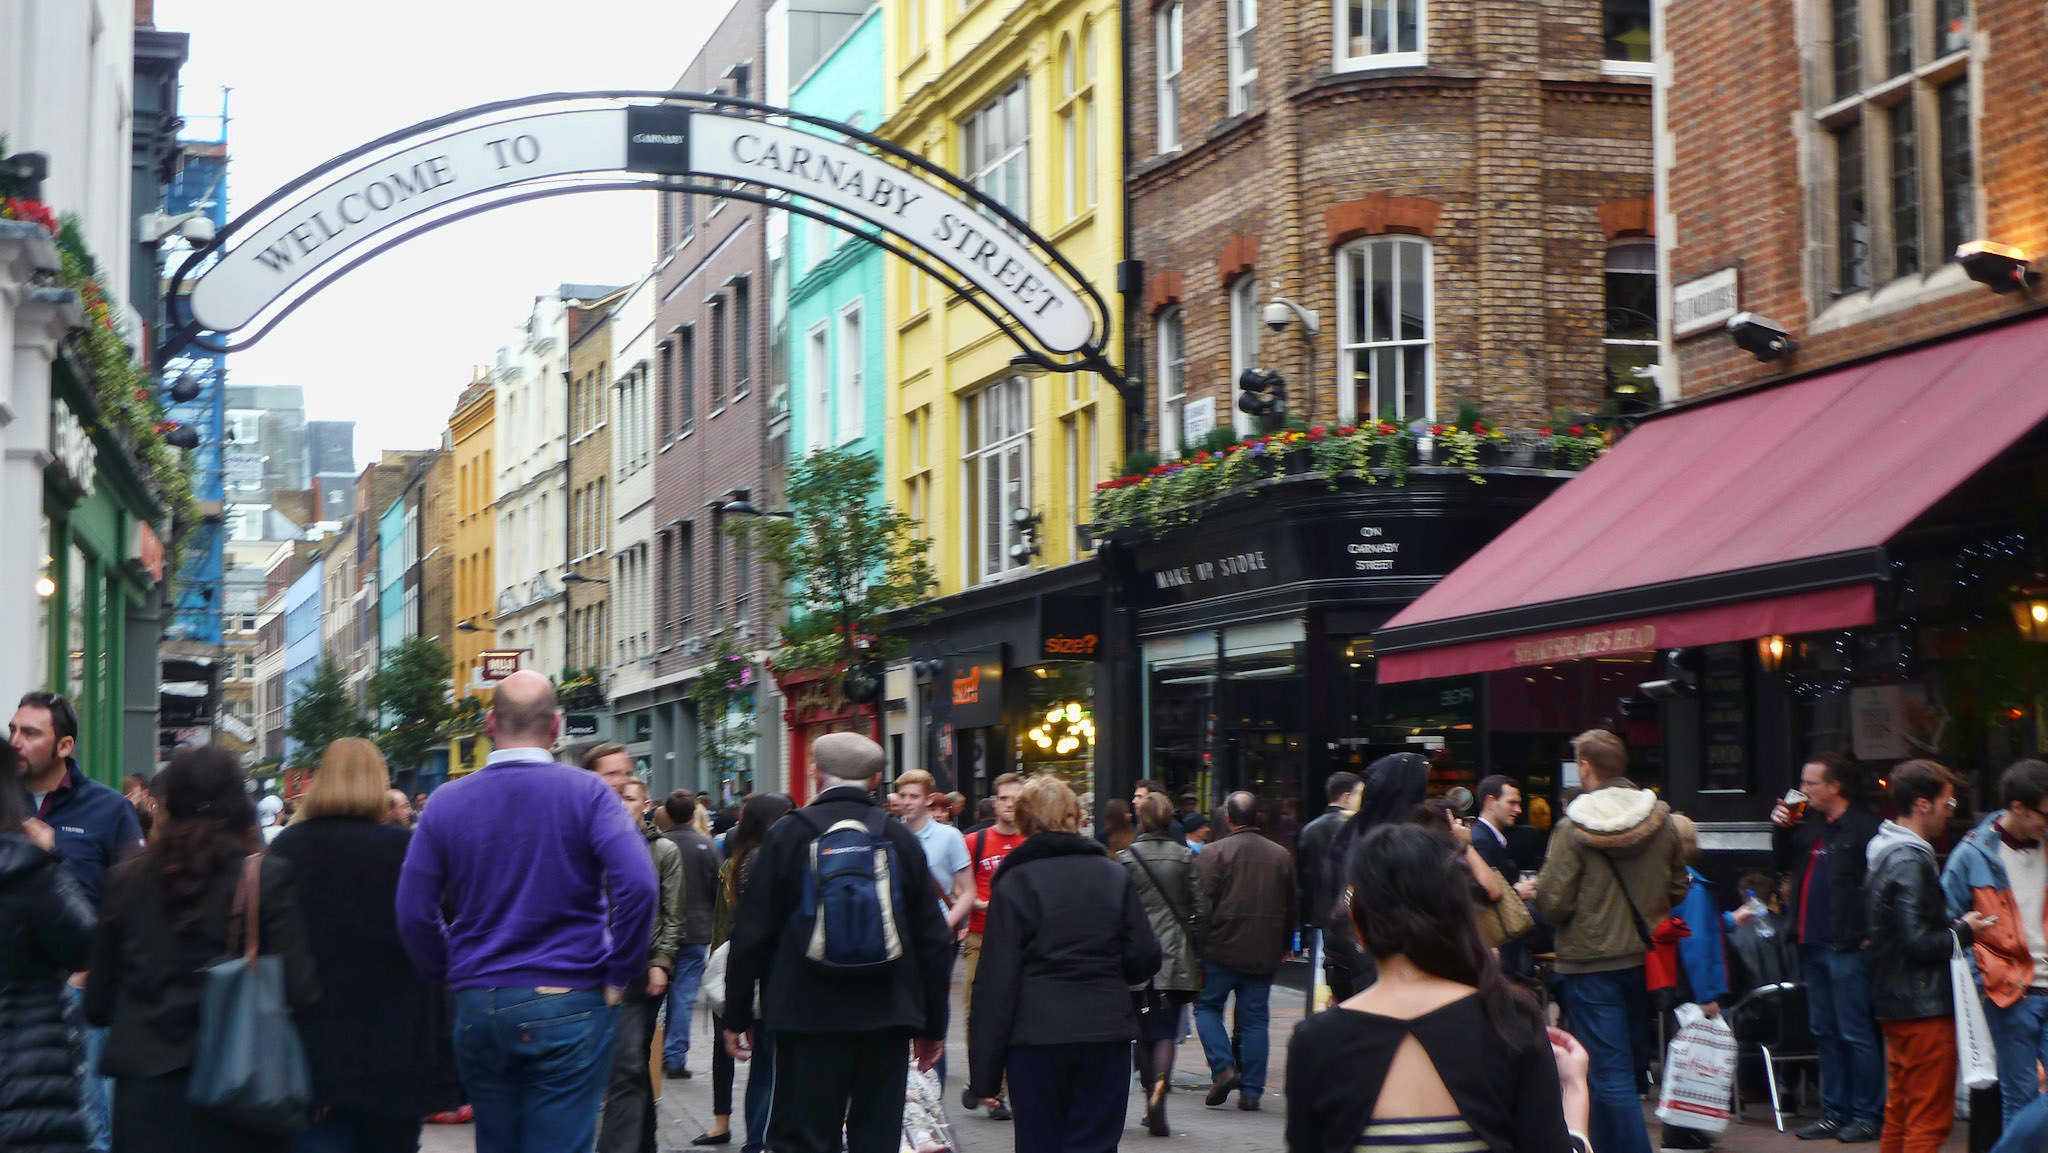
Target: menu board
(1724,720)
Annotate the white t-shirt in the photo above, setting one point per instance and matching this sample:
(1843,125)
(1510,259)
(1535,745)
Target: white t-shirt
(2027,870)
(945,853)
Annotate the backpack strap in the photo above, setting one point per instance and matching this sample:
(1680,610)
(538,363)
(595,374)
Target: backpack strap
(1185,920)
(980,846)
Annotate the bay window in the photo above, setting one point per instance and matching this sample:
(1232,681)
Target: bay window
(1386,332)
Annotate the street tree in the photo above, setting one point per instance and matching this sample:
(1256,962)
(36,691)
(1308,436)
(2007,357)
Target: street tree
(410,688)
(324,712)
(723,697)
(847,561)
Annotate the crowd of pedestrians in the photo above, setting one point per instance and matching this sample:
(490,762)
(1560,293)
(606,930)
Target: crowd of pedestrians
(530,947)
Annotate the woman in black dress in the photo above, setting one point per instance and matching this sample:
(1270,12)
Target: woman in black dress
(378,1041)
(1441,1054)
(761,811)
(165,919)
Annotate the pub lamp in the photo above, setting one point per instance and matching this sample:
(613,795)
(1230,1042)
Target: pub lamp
(2030,609)
(1999,267)
(1770,653)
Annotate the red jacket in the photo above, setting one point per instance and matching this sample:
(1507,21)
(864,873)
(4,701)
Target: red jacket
(1661,965)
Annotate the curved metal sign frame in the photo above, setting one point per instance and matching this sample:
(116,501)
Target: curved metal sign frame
(280,253)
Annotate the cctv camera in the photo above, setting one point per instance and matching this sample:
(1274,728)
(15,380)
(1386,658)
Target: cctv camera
(1764,339)
(198,230)
(1278,316)
(1667,690)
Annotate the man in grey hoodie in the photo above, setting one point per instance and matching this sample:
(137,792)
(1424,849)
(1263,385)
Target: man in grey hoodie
(1911,940)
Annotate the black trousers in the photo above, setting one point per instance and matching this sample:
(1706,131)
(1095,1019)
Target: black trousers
(151,1115)
(721,1070)
(628,1124)
(1069,1098)
(824,1081)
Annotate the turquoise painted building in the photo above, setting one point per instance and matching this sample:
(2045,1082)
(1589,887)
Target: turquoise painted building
(836,308)
(391,560)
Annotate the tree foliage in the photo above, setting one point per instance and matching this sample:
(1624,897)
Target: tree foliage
(324,712)
(411,689)
(723,696)
(846,560)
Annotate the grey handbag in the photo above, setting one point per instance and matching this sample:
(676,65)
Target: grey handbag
(248,1067)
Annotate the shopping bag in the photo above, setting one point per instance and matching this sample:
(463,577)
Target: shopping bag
(248,1067)
(1699,1073)
(711,990)
(1976,1060)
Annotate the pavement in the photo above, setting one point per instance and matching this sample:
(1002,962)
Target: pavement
(685,1107)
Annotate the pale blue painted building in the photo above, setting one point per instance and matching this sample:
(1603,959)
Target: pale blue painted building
(836,308)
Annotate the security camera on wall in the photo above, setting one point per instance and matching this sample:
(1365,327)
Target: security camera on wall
(1278,316)
(1767,340)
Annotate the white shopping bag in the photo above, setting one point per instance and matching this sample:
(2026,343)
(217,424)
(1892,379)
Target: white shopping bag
(1976,1060)
(1699,1073)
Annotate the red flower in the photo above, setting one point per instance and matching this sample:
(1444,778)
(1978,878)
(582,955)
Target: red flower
(1316,433)
(1388,429)
(1578,430)
(1544,431)
(1436,430)
(1347,430)
(1479,426)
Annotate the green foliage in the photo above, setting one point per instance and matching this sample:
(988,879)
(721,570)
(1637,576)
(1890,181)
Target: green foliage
(1140,462)
(411,689)
(723,696)
(846,560)
(1218,439)
(324,713)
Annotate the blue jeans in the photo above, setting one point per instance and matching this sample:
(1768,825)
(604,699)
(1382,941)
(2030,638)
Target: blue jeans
(682,1000)
(1603,1009)
(2026,1131)
(535,1065)
(1852,1071)
(1253,993)
(2020,1034)
(99,1091)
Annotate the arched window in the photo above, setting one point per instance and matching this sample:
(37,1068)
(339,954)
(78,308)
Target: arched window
(1387,332)
(1173,382)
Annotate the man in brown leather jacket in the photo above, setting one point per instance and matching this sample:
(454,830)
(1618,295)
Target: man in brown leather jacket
(1250,884)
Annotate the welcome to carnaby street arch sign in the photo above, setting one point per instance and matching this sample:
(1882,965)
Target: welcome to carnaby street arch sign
(276,255)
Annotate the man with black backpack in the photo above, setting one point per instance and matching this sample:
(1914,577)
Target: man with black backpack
(854,959)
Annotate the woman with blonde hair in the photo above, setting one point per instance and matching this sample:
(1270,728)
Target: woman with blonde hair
(378,1040)
(1066,938)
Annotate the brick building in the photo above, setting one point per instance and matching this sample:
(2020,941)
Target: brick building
(1832,540)
(710,419)
(1458,194)
(1477,169)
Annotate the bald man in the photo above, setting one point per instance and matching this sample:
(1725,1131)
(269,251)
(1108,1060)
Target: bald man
(840,1039)
(530,892)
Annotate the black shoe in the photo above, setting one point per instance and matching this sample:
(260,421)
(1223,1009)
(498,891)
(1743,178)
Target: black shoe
(969,1101)
(1219,1089)
(1677,1138)
(1155,1110)
(1825,1127)
(1856,1133)
(1249,1102)
(675,1072)
(724,1138)
(1000,1111)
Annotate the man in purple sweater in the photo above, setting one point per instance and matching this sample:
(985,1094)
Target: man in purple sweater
(529,891)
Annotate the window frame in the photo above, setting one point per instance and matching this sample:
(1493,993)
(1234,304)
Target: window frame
(1344,60)
(1243,297)
(1173,379)
(1169,60)
(1615,66)
(1350,344)
(986,450)
(1241,74)
(974,140)
(818,381)
(851,424)
(1608,341)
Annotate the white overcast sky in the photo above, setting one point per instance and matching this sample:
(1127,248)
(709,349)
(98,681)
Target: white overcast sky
(391,344)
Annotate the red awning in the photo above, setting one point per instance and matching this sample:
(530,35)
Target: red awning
(1763,513)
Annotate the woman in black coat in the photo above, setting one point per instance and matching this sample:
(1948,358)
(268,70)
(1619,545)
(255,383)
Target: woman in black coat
(164,921)
(45,932)
(378,1040)
(1067,937)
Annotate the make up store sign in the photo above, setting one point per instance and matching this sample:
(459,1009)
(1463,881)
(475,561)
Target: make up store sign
(1346,549)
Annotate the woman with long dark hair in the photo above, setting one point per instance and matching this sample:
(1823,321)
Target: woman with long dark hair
(1394,785)
(378,1041)
(1481,1071)
(45,934)
(165,919)
(759,812)
(1117,831)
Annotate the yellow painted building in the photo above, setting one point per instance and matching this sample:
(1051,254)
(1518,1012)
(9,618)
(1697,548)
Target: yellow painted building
(472,434)
(1022,99)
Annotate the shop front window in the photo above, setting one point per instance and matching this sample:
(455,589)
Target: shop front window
(1227,712)
(1056,731)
